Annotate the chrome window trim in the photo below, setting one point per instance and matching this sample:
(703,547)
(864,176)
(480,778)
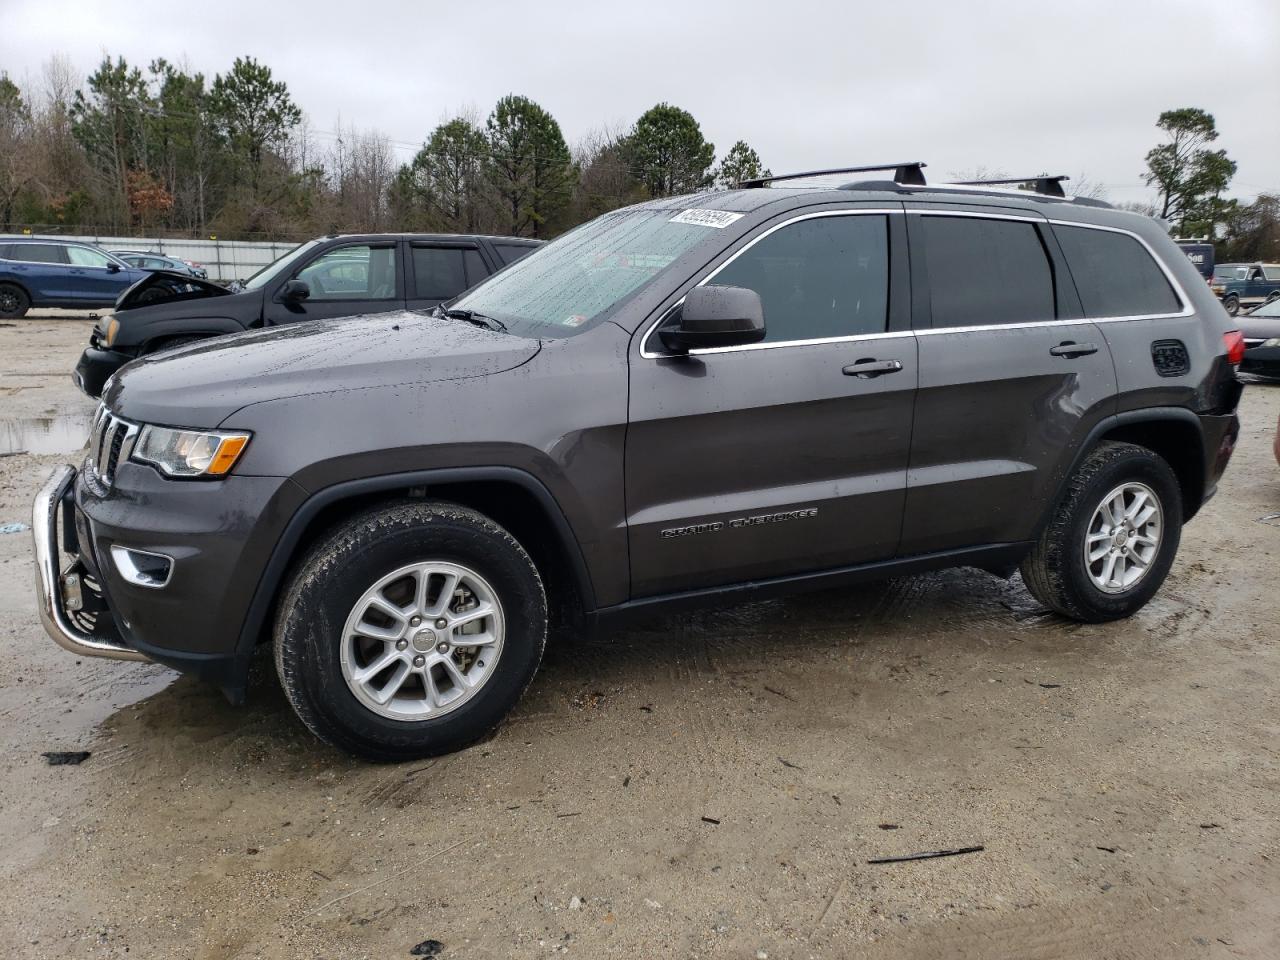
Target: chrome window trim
(648,354)
(1187,309)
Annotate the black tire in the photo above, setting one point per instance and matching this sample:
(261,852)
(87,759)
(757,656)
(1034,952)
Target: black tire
(1056,572)
(14,302)
(337,571)
(1231,303)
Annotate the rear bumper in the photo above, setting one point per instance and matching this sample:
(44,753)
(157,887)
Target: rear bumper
(96,367)
(1262,361)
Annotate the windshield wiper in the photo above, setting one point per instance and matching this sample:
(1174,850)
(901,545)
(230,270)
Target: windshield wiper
(470,316)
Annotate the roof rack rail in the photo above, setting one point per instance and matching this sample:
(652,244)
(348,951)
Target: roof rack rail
(908,173)
(1049,186)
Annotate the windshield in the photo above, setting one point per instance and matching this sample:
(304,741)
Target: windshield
(1229,271)
(1269,309)
(560,288)
(269,271)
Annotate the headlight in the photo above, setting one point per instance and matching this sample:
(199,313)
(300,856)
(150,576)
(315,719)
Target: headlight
(109,330)
(1273,342)
(190,453)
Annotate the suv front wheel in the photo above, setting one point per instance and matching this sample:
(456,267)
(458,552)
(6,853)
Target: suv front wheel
(410,631)
(1111,541)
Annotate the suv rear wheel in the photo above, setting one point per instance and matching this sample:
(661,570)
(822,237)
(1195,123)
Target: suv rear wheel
(1111,541)
(410,631)
(14,301)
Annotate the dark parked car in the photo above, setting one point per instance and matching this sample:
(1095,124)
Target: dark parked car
(1261,329)
(338,276)
(701,399)
(1240,285)
(147,260)
(59,273)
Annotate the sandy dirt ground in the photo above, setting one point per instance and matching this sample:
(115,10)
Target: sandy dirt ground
(709,785)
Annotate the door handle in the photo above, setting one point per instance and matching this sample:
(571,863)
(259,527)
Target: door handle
(1072,349)
(869,367)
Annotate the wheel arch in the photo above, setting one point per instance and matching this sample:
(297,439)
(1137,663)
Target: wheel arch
(513,498)
(1174,433)
(26,291)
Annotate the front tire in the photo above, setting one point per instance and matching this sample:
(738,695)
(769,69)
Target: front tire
(1111,540)
(14,302)
(410,631)
(1231,303)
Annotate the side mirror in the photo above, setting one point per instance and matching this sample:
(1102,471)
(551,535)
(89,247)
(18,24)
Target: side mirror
(715,316)
(113,267)
(295,291)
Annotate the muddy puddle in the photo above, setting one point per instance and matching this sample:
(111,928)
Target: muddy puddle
(44,435)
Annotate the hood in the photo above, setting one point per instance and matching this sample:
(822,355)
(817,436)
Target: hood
(200,385)
(167,286)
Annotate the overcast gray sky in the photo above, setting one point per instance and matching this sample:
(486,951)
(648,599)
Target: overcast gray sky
(1072,88)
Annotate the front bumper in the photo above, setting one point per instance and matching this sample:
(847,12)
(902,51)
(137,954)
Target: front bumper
(96,636)
(218,537)
(96,367)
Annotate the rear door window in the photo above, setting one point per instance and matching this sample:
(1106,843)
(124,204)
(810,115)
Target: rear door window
(441,273)
(818,278)
(511,252)
(1114,274)
(39,253)
(986,272)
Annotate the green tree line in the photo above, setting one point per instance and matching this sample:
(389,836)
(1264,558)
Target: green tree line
(166,149)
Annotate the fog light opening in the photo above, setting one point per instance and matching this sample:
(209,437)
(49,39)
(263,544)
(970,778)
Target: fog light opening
(141,567)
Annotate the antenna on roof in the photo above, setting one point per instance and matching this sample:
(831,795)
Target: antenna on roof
(1049,186)
(906,173)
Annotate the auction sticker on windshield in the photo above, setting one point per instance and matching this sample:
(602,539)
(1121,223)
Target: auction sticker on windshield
(707,218)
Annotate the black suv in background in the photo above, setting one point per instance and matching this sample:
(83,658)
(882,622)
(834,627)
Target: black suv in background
(338,276)
(708,398)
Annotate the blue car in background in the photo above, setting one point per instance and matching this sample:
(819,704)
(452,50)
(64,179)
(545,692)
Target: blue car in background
(59,273)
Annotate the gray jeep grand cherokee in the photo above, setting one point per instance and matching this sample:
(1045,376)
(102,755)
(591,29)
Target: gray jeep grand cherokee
(707,398)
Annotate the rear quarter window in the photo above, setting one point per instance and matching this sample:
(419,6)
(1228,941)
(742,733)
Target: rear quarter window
(1114,274)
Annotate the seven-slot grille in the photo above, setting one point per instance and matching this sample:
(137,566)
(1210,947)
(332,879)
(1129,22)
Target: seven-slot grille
(110,440)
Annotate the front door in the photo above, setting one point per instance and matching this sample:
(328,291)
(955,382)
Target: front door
(345,280)
(784,456)
(1011,378)
(96,277)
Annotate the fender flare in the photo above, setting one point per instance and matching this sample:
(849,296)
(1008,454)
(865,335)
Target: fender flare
(148,334)
(282,554)
(1106,425)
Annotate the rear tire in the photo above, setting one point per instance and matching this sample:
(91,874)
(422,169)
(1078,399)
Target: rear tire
(380,589)
(14,302)
(1111,540)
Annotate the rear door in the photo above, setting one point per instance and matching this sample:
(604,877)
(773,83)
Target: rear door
(345,280)
(1011,377)
(779,457)
(42,269)
(440,270)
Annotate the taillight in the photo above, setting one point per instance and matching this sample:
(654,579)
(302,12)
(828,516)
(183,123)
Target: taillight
(1234,341)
